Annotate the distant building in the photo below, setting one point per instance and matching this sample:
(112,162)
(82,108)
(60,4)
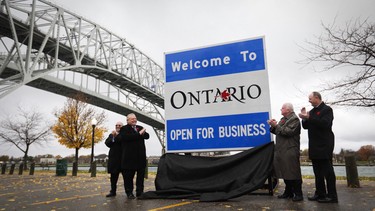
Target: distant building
(84,159)
(211,154)
(304,159)
(153,160)
(102,158)
(48,160)
(371,160)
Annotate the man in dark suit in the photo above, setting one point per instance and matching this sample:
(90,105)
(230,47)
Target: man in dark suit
(318,122)
(132,137)
(114,158)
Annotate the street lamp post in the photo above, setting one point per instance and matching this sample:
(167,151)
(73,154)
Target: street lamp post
(93,123)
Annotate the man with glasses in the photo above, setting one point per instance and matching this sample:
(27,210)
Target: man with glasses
(114,158)
(132,137)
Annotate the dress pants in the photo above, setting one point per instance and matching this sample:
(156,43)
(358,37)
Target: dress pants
(293,187)
(323,170)
(129,176)
(114,178)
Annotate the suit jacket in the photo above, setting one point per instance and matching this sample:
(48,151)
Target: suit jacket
(133,147)
(114,155)
(321,137)
(286,159)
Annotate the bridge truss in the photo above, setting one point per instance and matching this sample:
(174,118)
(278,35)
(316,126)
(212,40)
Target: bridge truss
(45,46)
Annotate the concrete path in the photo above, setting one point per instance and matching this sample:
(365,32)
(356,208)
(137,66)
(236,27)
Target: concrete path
(45,191)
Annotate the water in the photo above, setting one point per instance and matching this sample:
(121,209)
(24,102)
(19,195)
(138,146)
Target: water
(86,168)
(363,171)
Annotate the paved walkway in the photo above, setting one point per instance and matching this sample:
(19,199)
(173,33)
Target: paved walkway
(45,191)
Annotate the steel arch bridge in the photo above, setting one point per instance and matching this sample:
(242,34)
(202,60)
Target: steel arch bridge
(47,47)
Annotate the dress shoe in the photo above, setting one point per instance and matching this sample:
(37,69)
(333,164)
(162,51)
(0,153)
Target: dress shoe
(131,196)
(328,200)
(110,194)
(139,194)
(315,198)
(297,198)
(285,196)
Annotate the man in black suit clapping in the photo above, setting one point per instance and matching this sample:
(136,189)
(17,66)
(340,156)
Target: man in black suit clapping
(318,121)
(132,138)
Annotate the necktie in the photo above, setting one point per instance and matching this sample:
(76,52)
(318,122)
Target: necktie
(135,128)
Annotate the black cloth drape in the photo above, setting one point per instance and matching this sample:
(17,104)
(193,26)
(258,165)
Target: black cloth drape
(212,178)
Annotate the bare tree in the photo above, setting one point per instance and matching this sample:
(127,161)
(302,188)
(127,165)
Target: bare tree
(24,129)
(351,46)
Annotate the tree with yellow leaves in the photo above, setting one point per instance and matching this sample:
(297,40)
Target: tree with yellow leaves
(73,126)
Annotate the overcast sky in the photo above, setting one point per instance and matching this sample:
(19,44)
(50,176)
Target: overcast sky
(159,26)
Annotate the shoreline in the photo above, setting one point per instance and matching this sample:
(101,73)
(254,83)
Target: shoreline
(337,164)
(153,174)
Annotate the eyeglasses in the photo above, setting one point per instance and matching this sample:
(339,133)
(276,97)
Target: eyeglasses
(118,125)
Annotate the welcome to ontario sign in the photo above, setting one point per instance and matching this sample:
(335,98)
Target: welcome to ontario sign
(217,97)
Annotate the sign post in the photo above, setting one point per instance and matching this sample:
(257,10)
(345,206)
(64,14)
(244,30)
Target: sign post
(217,98)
